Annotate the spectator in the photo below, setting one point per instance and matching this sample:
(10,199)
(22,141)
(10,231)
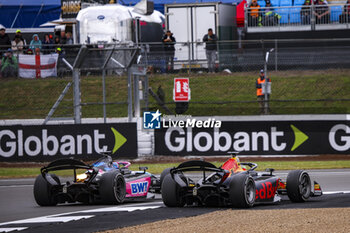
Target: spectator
(270,18)
(19,33)
(63,38)
(5,41)
(61,70)
(306,12)
(57,41)
(322,12)
(69,39)
(29,52)
(169,49)
(35,43)
(9,65)
(254,18)
(47,44)
(345,16)
(210,40)
(17,45)
(259,91)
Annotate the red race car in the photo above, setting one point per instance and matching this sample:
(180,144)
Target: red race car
(233,184)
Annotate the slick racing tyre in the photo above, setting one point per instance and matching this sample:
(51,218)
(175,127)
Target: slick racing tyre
(242,191)
(170,192)
(298,186)
(43,193)
(165,172)
(112,188)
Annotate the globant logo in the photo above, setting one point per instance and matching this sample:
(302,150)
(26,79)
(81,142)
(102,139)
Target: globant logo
(17,143)
(153,120)
(47,142)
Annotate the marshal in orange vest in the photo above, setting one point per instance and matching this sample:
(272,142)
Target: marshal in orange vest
(259,81)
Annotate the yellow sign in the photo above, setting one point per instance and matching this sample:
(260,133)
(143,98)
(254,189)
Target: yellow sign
(192,66)
(70,8)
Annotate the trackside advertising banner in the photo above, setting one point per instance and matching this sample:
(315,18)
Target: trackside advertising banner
(50,142)
(255,138)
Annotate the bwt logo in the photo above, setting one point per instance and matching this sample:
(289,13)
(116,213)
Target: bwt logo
(151,120)
(137,188)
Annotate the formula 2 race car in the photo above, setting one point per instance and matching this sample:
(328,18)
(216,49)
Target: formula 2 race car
(233,184)
(104,182)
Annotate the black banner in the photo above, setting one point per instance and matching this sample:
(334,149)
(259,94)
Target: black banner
(70,8)
(256,138)
(50,142)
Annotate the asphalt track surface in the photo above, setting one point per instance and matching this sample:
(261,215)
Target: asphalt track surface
(20,212)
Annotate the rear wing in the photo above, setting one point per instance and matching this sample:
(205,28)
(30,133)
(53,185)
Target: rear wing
(196,165)
(64,164)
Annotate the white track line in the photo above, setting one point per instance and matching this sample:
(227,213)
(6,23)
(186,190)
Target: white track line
(336,192)
(48,219)
(16,186)
(8,229)
(63,218)
(118,209)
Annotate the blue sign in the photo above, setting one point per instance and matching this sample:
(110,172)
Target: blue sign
(151,120)
(101,17)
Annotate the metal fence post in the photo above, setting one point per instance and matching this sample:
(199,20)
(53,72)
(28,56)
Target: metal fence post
(313,19)
(276,60)
(77,96)
(189,57)
(146,92)
(104,95)
(246,17)
(263,48)
(136,96)
(129,94)
(266,94)
(266,103)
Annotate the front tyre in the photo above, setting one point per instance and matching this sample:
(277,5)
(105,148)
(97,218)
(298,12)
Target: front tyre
(242,191)
(112,188)
(43,193)
(170,192)
(298,186)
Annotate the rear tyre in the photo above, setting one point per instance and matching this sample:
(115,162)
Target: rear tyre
(165,172)
(242,191)
(298,186)
(170,192)
(43,194)
(112,188)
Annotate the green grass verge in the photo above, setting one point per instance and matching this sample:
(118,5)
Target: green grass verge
(277,165)
(158,168)
(23,98)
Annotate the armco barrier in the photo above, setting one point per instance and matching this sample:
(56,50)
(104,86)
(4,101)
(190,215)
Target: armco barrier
(84,141)
(286,137)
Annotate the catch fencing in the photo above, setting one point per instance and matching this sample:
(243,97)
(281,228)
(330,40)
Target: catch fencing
(249,55)
(237,56)
(81,81)
(308,77)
